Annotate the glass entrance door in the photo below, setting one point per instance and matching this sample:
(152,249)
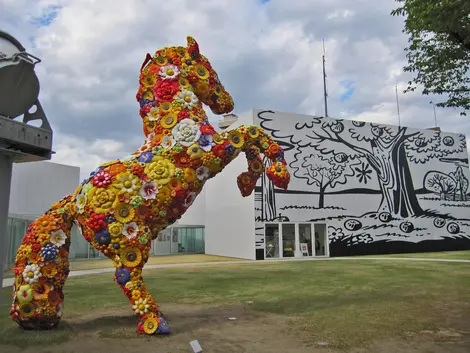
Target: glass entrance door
(305,238)
(272,240)
(286,239)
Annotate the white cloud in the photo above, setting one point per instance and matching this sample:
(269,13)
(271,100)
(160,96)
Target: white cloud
(268,56)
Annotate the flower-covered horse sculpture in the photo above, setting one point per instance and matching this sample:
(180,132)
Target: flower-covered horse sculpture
(124,204)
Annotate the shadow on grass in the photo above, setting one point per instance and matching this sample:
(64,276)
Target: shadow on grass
(16,336)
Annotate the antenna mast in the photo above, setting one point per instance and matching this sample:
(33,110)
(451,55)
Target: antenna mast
(324,81)
(398,107)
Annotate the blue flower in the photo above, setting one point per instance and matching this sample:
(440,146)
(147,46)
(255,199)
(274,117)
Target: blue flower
(206,142)
(49,252)
(146,157)
(103,237)
(229,148)
(123,276)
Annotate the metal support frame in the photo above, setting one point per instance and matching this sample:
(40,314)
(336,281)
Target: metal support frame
(19,141)
(6,166)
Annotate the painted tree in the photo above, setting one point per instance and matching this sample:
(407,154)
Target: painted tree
(439,49)
(321,171)
(388,150)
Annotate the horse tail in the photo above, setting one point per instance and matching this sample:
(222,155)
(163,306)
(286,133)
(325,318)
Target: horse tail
(41,268)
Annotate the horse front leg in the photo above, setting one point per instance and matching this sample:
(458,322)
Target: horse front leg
(129,265)
(254,141)
(246,181)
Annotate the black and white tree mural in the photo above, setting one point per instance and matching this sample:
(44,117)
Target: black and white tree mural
(323,172)
(388,150)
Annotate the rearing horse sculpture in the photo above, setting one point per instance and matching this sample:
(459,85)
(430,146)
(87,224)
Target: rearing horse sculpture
(124,204)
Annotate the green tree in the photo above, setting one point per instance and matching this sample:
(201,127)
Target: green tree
(439,48)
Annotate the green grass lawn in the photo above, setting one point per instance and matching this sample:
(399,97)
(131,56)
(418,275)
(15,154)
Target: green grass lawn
(451,255)
(345,303)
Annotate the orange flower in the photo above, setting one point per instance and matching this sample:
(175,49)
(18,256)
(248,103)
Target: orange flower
(44,224)
(116,169)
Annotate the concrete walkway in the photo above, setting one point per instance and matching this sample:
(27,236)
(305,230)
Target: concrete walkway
(8,282)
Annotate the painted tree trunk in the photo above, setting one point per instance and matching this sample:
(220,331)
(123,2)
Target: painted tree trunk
(321,199)
(394,176)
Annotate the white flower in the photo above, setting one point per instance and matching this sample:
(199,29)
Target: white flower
(141,306)
(168,142)
(130,230)
(58,237)
(154,114)
(188,98)
(202,172)
(80,202)
(189,199)
(186,132)
(148,190)
(168,72)
(31,274)
(128,183)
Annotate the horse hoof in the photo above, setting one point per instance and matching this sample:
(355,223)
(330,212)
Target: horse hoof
(163,327)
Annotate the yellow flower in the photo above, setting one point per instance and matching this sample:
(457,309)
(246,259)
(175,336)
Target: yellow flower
(102,199)
(115,229)
(40,290)
(124,212)
(165,107)
(149,80)
(135,293)
(236,138)
(25,294)
(253,131)
(148,95)
(184,82)
(161,59)
(131,257)
(27,310)
(163,195)
(189,175)
(169,121)
(49,271)
(126,182)
(217,139)
(150,325)
(195,152)
(160,170)
(201,71)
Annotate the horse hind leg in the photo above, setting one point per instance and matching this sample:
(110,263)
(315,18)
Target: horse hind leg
(41,268)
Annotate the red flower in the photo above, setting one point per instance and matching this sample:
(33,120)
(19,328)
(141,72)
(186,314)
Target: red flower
(207,130)
(219,151)
(97,222)
(36,247)
(180,194)
(183,115)
(165,90)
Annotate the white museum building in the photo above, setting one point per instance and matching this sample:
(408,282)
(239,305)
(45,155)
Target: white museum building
(356,188)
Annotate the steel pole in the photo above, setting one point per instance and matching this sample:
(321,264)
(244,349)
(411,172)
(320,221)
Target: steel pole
(6,166)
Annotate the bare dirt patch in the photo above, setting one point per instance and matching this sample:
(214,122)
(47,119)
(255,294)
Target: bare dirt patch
(254,332)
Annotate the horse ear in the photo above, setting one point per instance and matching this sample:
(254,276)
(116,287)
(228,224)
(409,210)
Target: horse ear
(193,47)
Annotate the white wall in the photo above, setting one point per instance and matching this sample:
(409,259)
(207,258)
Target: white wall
(195,215)
(341,171)
(230,217)
(36,186)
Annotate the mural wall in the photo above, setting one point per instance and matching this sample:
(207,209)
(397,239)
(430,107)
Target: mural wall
(380,188)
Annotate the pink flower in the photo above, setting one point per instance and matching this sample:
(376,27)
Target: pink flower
(148,190)
(101,179)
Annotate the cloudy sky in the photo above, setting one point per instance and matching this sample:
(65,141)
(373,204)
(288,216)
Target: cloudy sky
(268,55)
